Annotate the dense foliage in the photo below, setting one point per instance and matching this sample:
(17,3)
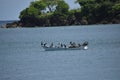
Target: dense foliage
(57,13)
(104,11)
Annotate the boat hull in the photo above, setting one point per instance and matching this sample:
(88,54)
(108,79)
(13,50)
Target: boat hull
(55,48)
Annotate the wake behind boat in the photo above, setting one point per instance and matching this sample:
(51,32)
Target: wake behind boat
(71,46)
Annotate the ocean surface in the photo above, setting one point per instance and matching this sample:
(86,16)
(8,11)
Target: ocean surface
(22,57)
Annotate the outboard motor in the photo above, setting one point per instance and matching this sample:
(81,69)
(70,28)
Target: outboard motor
(85,43)
(85,47)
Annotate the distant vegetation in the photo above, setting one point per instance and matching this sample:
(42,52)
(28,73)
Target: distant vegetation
(58,13)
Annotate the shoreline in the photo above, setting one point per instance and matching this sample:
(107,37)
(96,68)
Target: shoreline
(18,24)
(4,26)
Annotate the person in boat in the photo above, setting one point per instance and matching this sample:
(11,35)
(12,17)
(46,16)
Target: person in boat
(79,45)
(45,44)
(51,46)
(85,43)
(65,46)
(61,45)
(41,43)
(72,45)
(58,45)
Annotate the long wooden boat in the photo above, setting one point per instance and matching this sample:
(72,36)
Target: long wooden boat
(56,48)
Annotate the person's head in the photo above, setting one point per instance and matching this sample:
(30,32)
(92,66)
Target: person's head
(70,42)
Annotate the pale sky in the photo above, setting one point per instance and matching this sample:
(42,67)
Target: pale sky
(10,9)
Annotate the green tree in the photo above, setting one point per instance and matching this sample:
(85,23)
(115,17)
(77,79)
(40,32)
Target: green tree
(23,13)
(116,7)
(62,7)
(84,2)
(96,10)
(34,9)
(51,4)
(39,5)
(116,10)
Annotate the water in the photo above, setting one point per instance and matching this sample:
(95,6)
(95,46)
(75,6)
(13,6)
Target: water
(22,57)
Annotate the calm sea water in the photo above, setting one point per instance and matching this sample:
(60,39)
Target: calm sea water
(22,57)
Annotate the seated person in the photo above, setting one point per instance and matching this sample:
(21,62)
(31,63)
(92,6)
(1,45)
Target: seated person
(51,45)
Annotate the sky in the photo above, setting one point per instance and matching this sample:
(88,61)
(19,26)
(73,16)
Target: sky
(10,9)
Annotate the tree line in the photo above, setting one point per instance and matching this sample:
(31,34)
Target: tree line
(58,13)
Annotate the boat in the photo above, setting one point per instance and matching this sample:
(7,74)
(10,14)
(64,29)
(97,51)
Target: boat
(56,48)
(72,46)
